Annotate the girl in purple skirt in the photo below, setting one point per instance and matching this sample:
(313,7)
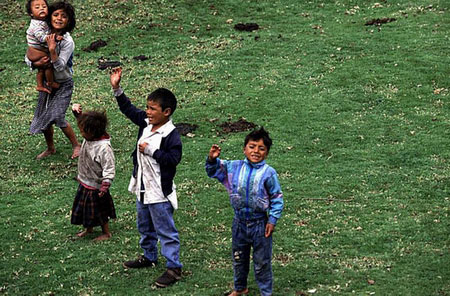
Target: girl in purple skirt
(93,204)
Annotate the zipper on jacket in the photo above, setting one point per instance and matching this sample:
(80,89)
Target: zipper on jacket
(247,210)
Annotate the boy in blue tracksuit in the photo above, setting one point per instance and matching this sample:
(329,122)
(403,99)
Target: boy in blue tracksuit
(157,153)
(257,200)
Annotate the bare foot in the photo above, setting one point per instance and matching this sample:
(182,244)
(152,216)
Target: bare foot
(76,151)
(44,89)
(84,233)
(103,237)
(237,293)
(46,153)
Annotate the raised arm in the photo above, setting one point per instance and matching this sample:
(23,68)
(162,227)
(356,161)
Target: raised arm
(136,115)
(115,77)
(214,152)
(77,109)
(215,167)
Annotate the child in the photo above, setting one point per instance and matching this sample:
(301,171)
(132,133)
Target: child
(93,204)
(37,44)
(257,200)
(157,153)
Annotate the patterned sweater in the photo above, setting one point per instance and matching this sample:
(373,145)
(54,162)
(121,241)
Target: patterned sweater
(253,188)
(37,33)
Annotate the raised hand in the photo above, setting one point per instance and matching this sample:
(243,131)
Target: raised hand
(116,75)
(77,108)
(214,152)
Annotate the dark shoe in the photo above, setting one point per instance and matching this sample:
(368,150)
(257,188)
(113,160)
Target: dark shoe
(139,263)
(169,277)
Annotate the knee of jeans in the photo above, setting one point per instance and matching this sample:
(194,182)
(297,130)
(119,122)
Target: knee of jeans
(261,267)
(237,255)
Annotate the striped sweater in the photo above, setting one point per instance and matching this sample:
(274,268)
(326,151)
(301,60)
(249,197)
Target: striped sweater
(37,33)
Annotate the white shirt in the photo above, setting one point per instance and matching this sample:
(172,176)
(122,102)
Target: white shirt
(149,171)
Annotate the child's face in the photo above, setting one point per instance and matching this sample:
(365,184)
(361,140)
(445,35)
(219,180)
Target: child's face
(255,151)
(59,19)
(156,116)
(86,135)
(39,9)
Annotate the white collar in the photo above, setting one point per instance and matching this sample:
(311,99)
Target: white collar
(165,129)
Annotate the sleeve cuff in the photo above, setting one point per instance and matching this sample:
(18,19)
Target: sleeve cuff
(211,162)
(118,91)
(272,220)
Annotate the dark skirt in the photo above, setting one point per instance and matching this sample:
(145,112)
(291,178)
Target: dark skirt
(91,210)
(51,108)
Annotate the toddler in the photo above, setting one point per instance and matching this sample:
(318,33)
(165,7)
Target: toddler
(37,44)
(93,204)
(257,200)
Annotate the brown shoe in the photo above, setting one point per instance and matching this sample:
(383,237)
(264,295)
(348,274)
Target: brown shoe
(237,293)
(139,263)
(169,277)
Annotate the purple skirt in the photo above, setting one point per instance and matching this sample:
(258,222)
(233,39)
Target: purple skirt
(91,210)
(51,108)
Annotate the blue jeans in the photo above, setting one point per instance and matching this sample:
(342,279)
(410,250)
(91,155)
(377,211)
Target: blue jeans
(247,234)
(155,221)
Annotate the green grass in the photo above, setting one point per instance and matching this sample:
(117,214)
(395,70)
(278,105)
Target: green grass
(360,121)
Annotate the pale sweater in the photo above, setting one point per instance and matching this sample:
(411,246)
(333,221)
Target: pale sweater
(96,163)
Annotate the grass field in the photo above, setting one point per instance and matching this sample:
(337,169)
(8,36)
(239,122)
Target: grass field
(359,115)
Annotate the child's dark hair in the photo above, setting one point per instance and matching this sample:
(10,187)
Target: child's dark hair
(68,9)
(28,5)
(93,123)
(257,135)
(165,98)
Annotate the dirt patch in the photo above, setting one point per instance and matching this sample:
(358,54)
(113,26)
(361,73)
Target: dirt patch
(379,22)
(237,126)
(140,58)
(185,128)
(246,27)
(95,45)
(105,64)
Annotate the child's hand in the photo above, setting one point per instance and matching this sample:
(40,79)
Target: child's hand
(104,189)
(115,77)
(214,152)
(269,229)
(42,62)
(142,147)
(59,37)
(51,42)
(77,108)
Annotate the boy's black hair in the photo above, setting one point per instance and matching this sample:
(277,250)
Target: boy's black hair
(93,123)
(165,98)
(68,9)
(28,5)
(257,135)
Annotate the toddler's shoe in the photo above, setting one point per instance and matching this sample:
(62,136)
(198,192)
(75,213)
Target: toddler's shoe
(139,263)
(169,277)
